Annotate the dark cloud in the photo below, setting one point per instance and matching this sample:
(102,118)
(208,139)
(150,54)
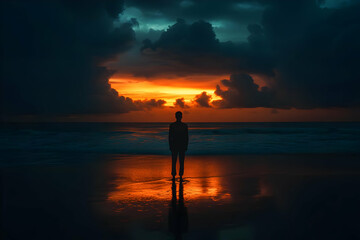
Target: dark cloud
(126,104)
(197,37)
(203,100)
(242,92)
(308,54)
(187,48)
(148,104)
(52,52)
(153,4)
(314,51)
(180,102)
(239,10)
(194,49)
(229,18)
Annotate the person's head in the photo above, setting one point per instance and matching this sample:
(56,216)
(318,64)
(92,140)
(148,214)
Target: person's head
(178,116)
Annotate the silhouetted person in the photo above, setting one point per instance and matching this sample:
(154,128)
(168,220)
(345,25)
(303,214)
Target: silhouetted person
(178,143)
(178,217)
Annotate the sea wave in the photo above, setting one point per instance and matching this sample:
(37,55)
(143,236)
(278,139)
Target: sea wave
(205,138)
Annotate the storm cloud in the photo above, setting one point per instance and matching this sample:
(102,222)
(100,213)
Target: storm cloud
(306,52)
(52,57)
(186,48)
(180,102)
(203,99)
(242,92)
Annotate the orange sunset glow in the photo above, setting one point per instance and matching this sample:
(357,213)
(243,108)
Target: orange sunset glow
(166,89)
(188,87)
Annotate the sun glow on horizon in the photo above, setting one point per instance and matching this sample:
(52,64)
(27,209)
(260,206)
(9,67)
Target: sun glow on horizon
(139,89)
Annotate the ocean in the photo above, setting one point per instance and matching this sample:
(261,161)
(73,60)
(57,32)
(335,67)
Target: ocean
(241,181)
(205,138)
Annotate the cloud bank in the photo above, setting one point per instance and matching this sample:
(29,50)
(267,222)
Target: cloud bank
(307,54)
(52,52)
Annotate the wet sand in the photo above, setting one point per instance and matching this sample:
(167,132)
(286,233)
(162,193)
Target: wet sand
(222,197)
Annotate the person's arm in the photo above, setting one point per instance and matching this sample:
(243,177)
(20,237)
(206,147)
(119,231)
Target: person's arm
(186,137)
(171,138)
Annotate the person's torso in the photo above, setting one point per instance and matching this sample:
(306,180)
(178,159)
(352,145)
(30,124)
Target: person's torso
(179,133)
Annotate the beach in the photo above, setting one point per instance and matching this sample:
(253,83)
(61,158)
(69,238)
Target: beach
(241,181)
(257,101)
(119,196)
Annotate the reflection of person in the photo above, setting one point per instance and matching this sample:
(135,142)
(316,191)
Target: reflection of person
(178,143)
(178,217)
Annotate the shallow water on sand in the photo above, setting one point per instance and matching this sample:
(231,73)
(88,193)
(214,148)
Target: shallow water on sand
(222,197)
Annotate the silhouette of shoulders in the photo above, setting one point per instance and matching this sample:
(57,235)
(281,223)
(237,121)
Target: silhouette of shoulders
(176,124)
(178,128)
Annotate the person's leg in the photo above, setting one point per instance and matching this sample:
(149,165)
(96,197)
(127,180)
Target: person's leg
(181,160)
(174,158)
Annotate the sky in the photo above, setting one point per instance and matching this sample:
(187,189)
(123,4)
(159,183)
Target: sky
(141,60)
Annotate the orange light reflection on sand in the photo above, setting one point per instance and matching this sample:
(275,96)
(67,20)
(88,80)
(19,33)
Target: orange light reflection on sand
(160,190)
(146,180)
